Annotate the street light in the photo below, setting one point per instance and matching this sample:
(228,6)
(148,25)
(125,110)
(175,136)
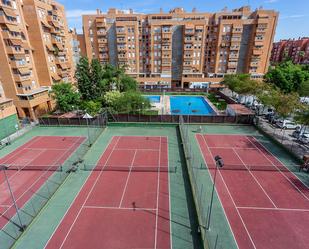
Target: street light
(4,168)
(219,164)
(87,117)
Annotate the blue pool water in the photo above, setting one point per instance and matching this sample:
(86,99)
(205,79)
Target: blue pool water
(153,98)
(190,105)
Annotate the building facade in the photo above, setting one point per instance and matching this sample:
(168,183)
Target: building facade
(295,49)
(34,53)
(180,49)
(8,117)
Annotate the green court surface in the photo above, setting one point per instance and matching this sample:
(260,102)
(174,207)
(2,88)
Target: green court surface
(183,216)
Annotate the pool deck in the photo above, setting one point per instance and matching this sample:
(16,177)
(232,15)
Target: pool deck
(166,104)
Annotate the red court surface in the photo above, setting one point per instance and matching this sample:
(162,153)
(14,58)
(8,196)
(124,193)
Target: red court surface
(41,152)
(121,209)
(265,208)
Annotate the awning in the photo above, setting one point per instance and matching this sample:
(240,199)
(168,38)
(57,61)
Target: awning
(9,12)
(27,46)
(13,28)
(19,56)
(24,71)
(45,24)
(16,42)
(59,45)
(56,77)
(56,24)
(63,65)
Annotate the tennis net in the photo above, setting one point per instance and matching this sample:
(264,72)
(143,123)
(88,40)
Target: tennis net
(88,167)
(21,167)
(257,167)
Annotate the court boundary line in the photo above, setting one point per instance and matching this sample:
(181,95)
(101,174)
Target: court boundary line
(217,194)
(88,194)
(74,199)
(39,178)
(119,208)
(127,180)
(242,221)
(254,177)
(279,169)
(169,191)
(275,209)
(158,194)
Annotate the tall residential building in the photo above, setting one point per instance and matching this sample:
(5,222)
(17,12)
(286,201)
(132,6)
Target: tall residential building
(180,49)
(295,49)
(49,36)
(8,117)
(33,53)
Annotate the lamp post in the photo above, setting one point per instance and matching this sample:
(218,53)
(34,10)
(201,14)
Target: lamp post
(219,164)
(4,168)
(87,117)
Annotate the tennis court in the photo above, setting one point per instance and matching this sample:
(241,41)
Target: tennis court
(29,167)
(265,204)
(125,202)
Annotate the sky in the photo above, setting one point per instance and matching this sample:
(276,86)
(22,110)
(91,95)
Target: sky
(293,14)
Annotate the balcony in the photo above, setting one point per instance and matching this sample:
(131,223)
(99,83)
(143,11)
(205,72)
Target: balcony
(254,64)
(14,50)
(234,56)
(18,64)
(21,78)
(232,65)
(120,31)
(189,32)
(102,40)
(58,43)
(188,40)
(4,20)
(101,32)
(257,51)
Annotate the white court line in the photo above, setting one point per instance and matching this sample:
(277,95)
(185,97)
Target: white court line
(82,187)
(136,149)
(121,208)
(169,192)
(127,180)
(277,167)
(89,193)
(232,198)
(6,206)
(219,198)
(254,178)
(40,177)
(276,209)
(226,147)
(158,191)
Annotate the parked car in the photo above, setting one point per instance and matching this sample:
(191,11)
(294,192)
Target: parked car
(304,138)
(287,124)
(299,131)
(273,118)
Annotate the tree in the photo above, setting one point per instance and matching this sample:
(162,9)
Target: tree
(287,76)
(128,83)
(91,107)
(96,76)
(304,89)
(67,99)
(83,77)
(286,104)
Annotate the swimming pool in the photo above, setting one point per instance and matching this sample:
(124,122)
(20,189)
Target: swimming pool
(190,105)
(153,98)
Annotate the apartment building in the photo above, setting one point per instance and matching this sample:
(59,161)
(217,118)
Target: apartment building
(34,53)
(51,40)
(295,49)
(181,49)
(8,117)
